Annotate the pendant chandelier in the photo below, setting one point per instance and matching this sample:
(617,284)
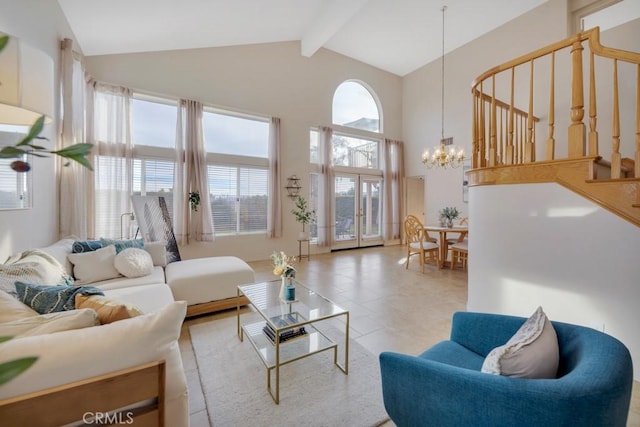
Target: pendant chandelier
(443,156)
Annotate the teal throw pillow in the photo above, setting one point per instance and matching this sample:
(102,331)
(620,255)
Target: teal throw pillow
(123,244)
(82,246)
(48,299)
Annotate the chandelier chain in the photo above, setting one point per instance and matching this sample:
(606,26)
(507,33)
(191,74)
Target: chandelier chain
(443,157)
(442,63)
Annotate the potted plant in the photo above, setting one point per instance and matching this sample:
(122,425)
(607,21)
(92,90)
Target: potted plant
(303,215)
(194,200)
(450,213)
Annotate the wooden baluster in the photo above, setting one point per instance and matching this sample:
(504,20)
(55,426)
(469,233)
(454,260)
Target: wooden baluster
(593,114)
(637,157)
(530,144)
(474,132)
(577,127)
(492,124)
(509,159)
(616,160)
(501,139)
(551,142)
(483,158)
(521,137)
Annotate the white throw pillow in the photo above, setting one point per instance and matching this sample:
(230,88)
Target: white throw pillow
(12,309)
(158,252)
(133,262)
(48,323)
(532,352)
(89,267)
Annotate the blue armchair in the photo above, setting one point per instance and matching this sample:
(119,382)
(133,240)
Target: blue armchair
(444,386)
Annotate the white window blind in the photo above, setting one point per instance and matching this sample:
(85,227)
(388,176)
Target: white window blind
(14,192)
(154,177)
(238,199)
(108,189)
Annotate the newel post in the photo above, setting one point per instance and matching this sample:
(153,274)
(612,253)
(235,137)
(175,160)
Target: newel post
(577,128)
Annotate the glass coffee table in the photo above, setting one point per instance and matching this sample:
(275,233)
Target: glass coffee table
(278,338)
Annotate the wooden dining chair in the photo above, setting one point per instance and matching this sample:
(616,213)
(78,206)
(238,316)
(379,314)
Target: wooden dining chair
(460,252)
(416,242)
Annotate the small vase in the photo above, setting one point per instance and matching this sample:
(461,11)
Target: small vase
(449,223)
(283,288)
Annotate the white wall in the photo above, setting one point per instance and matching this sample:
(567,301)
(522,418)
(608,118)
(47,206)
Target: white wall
(42,24)
(541,244)
(268,79)
(422,95)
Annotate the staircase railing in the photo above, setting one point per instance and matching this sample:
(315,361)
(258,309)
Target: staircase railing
(505,135)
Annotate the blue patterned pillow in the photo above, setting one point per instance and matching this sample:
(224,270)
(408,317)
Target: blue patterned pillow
(123,244)
(81,246)
(48,299)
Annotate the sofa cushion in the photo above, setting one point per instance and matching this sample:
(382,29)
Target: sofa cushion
(82,246)
(33,266)
(12,309)
(158,252)
(75,355)
(532,352)
(49,323)
(202,280)
(147,298)
(133,262)
(156,276)
(94,266)
(59,250)
(121,245)
(109,310)
(48,299)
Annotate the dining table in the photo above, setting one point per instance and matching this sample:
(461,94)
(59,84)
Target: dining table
(442,231)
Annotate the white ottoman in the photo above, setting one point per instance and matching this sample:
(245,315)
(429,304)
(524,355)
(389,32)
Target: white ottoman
(208,284)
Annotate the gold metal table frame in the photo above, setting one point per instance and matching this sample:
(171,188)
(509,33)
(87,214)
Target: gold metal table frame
(309,308)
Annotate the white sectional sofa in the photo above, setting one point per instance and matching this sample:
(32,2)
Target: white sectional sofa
(73,355)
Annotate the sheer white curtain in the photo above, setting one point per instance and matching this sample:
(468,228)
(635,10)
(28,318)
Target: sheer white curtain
(109,128)
(274,207)
(325,190)
(191,176)
(393,188)
(76,214)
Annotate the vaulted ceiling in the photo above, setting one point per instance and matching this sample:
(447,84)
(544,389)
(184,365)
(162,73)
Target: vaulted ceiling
(398,36)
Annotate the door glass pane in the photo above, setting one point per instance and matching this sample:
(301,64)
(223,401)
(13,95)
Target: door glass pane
(371,204)
(345,208)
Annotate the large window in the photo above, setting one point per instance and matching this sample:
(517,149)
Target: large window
(235,135)
(354,106)
(238,199)
(15,188)
(153,122)
(237,165)
(347,150)
(237,148)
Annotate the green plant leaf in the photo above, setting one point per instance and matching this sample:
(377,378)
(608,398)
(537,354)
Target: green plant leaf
(81,149)
(10,152)
(78,153)
(3,42)
(13,368)
(35,130)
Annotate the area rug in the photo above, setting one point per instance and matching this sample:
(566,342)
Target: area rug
(313,391)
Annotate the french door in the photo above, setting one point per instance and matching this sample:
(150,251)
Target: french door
(357,211)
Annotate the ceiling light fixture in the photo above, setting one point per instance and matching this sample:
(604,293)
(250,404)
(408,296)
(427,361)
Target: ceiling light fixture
(446,155)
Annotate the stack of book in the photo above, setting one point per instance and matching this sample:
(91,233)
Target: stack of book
(282,321)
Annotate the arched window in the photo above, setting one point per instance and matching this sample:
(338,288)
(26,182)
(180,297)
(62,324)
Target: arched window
(355,106)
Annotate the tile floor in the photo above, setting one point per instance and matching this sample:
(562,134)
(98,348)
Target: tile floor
(390,308)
